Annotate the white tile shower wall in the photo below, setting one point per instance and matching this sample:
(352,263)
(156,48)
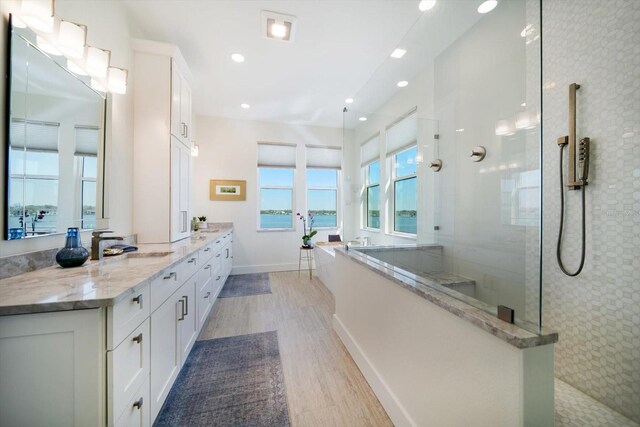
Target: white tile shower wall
(595,44)
(481,79)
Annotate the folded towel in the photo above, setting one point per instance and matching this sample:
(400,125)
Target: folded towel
(125,248)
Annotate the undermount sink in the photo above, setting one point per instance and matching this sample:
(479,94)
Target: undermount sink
(148,254)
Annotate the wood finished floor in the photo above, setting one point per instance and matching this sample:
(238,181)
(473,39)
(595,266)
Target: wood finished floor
(324,386)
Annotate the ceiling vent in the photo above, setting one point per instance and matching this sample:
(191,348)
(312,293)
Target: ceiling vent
(278,26)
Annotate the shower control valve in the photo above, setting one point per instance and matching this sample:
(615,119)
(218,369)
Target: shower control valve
(436,165)
(478,153)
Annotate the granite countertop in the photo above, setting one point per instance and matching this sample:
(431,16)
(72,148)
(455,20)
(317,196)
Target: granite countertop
(96,283)
(519,335)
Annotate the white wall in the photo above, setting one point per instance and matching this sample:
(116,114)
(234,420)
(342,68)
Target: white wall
(108,28)
(228,150)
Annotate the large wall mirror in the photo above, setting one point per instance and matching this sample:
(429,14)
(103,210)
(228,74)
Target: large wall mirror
(54,143)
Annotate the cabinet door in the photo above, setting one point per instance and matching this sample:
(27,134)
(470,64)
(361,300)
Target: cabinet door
(185,110)
(188,320)
(177,129)
(165,351)
(180,170)
(50,365)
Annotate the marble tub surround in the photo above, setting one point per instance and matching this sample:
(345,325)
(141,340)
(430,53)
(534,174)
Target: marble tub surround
(520,335)
(96,283)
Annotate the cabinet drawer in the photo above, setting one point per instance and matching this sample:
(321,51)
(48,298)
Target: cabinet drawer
(205,254)
(136,411)
(128,367)
(126,315)
(205,273)
(205,301)
(190,266)
(163,286)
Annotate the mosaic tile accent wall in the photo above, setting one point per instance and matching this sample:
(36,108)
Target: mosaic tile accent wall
(597,44)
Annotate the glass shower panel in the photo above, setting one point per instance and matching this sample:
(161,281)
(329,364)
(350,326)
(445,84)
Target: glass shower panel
(468,224)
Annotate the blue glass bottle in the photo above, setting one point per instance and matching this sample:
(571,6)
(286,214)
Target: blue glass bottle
(73,254)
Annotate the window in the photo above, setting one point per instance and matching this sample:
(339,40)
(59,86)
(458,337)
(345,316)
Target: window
(322,196)
(323,164)
(372,180)
(370,163)
(87,139)
(405,191)
(276,166)
(33,182)
(403,150)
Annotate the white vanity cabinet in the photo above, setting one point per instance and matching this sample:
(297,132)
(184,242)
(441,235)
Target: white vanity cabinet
(52,369)
(162,148)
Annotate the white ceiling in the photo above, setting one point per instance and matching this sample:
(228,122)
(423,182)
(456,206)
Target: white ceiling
(338,46)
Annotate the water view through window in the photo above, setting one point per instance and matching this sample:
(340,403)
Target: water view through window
(322,196)
(276,198)
(405,191)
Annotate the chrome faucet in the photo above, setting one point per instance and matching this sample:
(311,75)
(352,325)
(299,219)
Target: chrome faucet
(96,251)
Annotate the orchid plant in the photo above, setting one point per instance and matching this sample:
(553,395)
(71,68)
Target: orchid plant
(306,238)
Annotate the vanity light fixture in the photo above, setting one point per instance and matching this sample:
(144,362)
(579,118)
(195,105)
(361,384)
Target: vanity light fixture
(487,6)
(237,57)
(76,68)
(117,80)
(97,61)
(71,39)
(348,101)
(425,5)
(363,119)
(38,14)
(97,85)
(44,45)
(245,106)
(402,83)
(398,53)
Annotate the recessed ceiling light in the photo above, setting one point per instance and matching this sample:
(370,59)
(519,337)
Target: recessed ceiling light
(245,106)
(278,26)
(487,6)
(348,100)
(402,83)
(237,57)
(524,104)
(425,5)
(363,119)
(398,53)
(460,130)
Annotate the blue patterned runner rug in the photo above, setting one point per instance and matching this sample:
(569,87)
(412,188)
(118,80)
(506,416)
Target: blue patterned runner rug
(242,285)
(233,381)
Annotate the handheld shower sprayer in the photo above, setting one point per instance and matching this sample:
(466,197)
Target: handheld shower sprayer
(573,183)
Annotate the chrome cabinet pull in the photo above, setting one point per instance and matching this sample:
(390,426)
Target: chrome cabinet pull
(138,299)
(208,266)
(192,260)
(138,404)
(207,249)
(207,295)
(171,275)
(186,305)
(218,256)
(217,241)
(181,309)
(138,338)
(218,278)
(227,252)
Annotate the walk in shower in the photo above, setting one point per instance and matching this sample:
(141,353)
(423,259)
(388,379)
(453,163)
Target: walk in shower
(450,178)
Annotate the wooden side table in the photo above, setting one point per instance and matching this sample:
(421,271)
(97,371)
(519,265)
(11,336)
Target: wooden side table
(307,255)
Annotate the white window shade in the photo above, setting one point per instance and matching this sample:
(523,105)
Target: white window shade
(324,157)
(276,155)
(402,133)
(39,136)
(370,150)
(87,139)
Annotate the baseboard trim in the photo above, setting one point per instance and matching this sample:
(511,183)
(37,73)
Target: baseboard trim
(264,268)
(387,398)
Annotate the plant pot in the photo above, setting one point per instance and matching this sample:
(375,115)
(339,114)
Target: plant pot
(203,224)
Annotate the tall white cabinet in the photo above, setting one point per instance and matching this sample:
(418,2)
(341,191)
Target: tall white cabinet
(162,147)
